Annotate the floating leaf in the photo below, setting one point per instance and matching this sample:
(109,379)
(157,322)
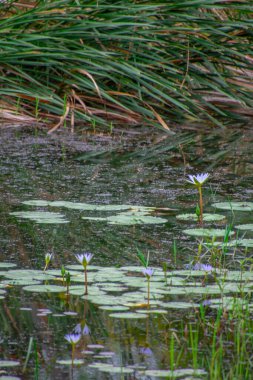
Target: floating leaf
(70,362)
(245,227)
(120,370)
(9,363)
(36,202)
(131,220)
(179,305)
(114,308)
(45,288)
(247,243)
(7,265)
(20,281)
(207,232)
(89,207)
(128,315)
(152,311)
(174,374)
(41,216)
(234,206)
(206,217)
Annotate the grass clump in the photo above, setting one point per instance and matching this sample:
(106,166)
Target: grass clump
(103,63)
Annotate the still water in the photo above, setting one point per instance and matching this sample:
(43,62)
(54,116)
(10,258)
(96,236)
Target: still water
(103,170)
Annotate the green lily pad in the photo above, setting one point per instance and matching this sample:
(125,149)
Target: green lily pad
(179,305)
(21,282)
(45,288)
(120,370)
(114,308)
(94,218)
(152,311)
(88,207)
(176,373)
(207,232)
(247,243)
(234,206)
(245,227)
(9,363)
(131,220)
(7,265)
(128,315)
(206,217)
(70,362)
(41,216)
(36,202)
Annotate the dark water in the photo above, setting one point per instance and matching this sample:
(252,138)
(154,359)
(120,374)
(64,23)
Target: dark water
(149,171)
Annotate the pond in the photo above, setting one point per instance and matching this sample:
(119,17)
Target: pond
(124,200)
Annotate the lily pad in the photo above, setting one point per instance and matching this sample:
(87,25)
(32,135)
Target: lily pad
(70,362)
(245,227)
(207,232)
(41,216)
(36,202)
(234,206)
(206,217)
(9,363)
(179,305)
(120,370)
(7,265)
(45,288)
(176,373)
(247,243)
(128,315)
(132,219)
(114,308)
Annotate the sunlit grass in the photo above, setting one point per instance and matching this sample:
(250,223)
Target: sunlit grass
(99,63)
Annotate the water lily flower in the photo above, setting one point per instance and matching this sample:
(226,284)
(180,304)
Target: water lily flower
(86,330)
(204,267)
(84,258)
(48,258)
(146,351)
(73,339)
(198,179)
(148,272)
(78,329)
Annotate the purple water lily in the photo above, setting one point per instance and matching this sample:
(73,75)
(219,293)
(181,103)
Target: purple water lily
(148,272)
(73,339)
(204,267)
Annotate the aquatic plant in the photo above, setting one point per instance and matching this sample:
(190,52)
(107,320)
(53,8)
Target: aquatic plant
(73,339)
(198,181)
(48,258)
(84,259)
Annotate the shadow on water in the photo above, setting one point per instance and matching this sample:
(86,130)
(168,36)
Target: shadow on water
(149,171)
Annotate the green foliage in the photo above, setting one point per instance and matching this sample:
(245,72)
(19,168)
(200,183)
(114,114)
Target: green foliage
(126,61)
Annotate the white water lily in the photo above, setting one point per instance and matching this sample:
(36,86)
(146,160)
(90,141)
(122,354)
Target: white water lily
(84,258)
(198,179)
(48,258)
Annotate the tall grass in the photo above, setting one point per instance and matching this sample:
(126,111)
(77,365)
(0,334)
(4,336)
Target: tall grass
(125,62)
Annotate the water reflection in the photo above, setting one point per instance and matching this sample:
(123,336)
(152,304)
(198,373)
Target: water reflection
(40,167)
